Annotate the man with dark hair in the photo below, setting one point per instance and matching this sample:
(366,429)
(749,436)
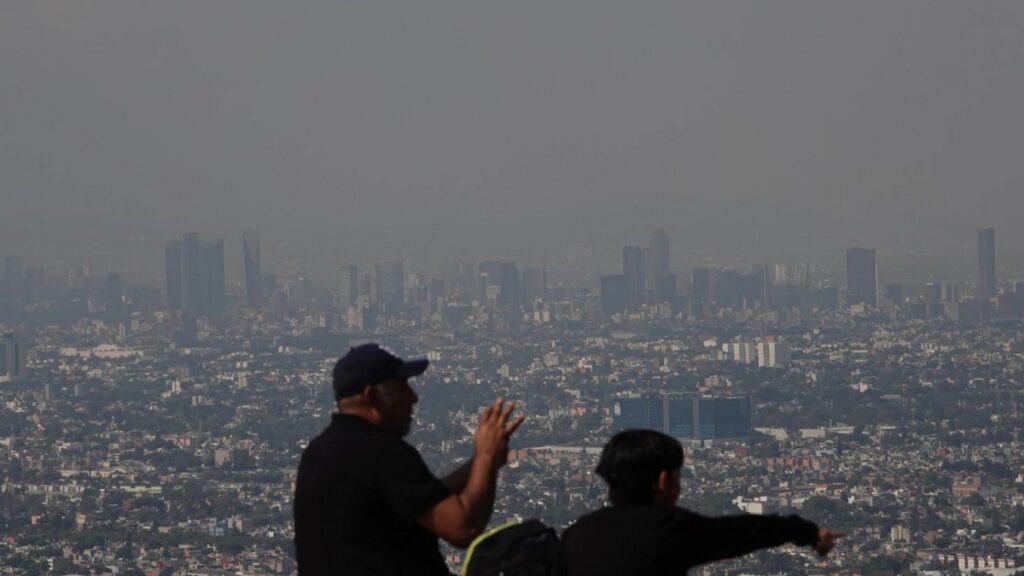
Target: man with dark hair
(365,502)
(644,533)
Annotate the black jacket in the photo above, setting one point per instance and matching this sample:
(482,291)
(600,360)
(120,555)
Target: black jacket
(650,540)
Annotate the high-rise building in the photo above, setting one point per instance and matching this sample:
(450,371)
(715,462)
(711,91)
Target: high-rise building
(535,284)
(658,259)
(390,284)
(503,276)
(348,286)
(12,359)
(700,280)
(253,271)
(613,294)
(665,289)
(198,267)
(634,270)
(172,259)
(113,294)
(986,263)
(861,277)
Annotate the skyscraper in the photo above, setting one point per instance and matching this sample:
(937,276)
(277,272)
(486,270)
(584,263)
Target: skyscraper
(634,269)
(391,283)
(986,263)
(613,294)
(348,286)
(700,278)
(113,294)
(535,284)
(12,360)
(253,272)
(504,275)
(195,275)
(861,277)
(658,256)
(172,259)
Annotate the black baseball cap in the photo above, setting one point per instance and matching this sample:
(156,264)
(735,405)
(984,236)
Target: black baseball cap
(371,364)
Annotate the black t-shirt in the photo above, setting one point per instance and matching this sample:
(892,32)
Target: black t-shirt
(652,541)
(358,495)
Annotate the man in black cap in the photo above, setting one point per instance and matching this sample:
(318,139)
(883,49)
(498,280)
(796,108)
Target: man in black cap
(365,502)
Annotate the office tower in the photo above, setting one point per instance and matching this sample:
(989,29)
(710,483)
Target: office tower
(894,293)
(35,285)
(348,286)
(269,284)
(634,269)
(172,259)
(113,293)
(665,288)
(14,279)
(658,262)
(861,277)
(12,359)
(613,294)
(535,284)
(202,276)
(758,287)
(773,354)
(253,271)
(731,288)
(986,263)
(504,276)
(700,279)
(390,280)
(198,267)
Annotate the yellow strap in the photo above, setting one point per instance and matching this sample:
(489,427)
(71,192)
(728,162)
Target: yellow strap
(479,539)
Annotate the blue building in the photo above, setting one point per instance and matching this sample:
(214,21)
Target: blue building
(690,418)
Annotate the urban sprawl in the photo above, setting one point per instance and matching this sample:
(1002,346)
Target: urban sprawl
(154,427)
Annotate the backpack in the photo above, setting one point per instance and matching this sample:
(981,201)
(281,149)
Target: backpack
(529,548)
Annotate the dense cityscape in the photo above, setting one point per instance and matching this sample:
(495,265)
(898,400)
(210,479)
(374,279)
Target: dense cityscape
(154,427)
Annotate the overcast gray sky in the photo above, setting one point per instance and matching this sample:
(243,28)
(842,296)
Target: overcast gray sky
(510,129)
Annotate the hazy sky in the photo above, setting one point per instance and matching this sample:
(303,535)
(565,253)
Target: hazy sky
(402,129)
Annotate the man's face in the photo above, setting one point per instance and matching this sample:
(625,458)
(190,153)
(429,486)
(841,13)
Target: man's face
(394,402)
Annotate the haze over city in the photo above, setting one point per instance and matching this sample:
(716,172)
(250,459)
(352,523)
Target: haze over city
(358,131)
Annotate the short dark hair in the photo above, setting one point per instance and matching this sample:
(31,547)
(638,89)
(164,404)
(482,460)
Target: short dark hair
(632,460)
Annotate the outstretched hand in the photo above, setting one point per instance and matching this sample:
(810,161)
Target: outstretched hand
(827,541)
(494,430)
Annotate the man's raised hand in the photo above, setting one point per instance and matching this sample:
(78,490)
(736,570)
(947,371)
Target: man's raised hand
(493,432)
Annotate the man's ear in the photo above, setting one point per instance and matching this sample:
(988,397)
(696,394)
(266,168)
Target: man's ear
(369,395)
(663,481)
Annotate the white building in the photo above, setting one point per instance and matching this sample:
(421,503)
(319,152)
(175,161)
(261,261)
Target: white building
(742,352)
(773,354)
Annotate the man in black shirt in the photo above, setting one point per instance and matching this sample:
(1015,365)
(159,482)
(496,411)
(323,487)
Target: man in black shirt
(644,533)
(365,502)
